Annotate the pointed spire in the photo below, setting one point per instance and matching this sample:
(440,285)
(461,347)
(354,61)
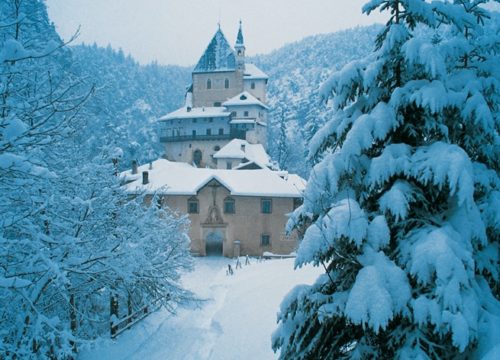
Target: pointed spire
(239,38)
(218,56)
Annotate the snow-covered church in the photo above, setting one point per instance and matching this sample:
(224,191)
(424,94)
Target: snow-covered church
(216,168)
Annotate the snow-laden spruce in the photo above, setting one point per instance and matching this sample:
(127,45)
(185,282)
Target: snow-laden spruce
(401,208)
(70,237)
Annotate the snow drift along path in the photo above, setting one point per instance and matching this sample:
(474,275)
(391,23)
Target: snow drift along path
(236,321)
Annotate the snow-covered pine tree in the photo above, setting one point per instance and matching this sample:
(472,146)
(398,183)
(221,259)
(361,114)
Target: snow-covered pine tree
(402,206)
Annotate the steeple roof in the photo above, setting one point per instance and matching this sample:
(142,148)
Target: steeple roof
(239,37)
(219,56)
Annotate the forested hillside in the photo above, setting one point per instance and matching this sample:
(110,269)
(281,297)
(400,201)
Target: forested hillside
(128,99)
(295,74)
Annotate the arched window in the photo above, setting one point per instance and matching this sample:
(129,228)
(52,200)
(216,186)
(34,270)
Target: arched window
(197,155)
(226,83)
(209,84)
(229,207)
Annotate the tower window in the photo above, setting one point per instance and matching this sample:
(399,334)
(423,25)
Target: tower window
(226,83)
(209,84)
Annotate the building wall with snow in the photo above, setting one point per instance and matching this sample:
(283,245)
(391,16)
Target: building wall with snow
(256,87)
(185,151)
(247,225)
(209,89)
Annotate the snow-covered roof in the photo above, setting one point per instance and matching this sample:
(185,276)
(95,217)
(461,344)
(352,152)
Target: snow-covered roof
(177,178)
(252,72)
(296,181)
(196,112)
(244,98)
(242,149)
(218,56)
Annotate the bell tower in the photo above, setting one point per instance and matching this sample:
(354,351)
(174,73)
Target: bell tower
(239,47)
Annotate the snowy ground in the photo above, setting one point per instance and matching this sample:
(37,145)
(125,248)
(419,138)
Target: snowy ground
(236,321)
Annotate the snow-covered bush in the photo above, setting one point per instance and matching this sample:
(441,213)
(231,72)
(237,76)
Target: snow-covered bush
(402,205)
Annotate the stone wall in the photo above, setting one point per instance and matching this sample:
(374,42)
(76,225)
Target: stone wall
(184,151)
(259,90)
(218,93)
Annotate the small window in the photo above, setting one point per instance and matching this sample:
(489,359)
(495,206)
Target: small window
(217,104)
(209,84)
(226,83)
(245,114)
(209,131)
(265,239)
(194,121)
(210,120)
(233,113)
(216,148)
(266,206)
(229,207)
(252,85)
(229,165)
(193,205)
(194,132)
(221,131)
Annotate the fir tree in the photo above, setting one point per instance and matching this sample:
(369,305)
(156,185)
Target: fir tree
(401,207)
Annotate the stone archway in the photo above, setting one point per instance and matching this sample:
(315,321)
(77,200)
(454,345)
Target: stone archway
(214,243)
(197,157)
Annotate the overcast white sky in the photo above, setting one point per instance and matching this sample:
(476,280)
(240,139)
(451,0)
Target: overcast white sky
(177,31)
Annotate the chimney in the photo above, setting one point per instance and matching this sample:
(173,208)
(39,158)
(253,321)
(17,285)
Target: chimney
(150,165)
(243,147)
(145,178)
(134,167)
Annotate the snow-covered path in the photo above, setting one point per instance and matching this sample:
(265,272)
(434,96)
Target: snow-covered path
(235,322)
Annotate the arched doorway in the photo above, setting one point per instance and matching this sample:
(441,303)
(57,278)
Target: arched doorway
(213,243)
(197,155)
